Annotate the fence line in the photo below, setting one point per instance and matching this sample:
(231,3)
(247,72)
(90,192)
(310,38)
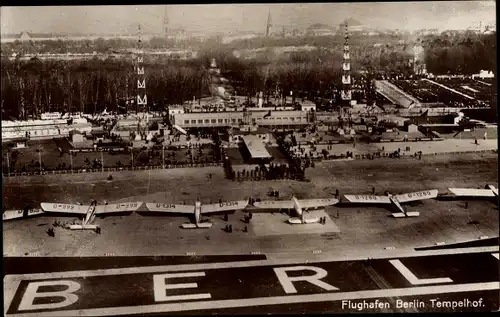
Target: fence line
(112,169)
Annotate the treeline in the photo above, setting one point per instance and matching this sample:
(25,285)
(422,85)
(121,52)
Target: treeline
(100,45)
(460,53)
(34,87)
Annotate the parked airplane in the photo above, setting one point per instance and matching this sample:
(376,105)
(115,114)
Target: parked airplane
(299,205)
(488,191)
(395,200)
(21,213)
(90,211)
(197,210)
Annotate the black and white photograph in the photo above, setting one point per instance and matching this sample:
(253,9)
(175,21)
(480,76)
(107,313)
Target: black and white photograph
(249,158)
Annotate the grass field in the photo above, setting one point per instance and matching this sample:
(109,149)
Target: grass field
(51,157)
(361,228)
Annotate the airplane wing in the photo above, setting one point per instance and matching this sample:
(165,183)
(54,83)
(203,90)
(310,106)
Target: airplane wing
(371,199)
(15,214)
(319,202)
(426,194)
(171,208)
(114,208)
(65,208)
(274,204)
(224,206)
(472,192)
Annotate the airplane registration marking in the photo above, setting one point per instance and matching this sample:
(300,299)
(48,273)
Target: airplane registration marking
(21,212)
(165,206)
(126,205)
(228,204)
(420,194)
(65,207)
(366,197)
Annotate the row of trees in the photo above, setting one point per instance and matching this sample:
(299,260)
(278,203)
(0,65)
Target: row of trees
(462,53)
(34,87)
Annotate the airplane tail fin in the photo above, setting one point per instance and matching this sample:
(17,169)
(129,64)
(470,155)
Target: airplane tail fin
(196,226)
(412,214)
(204,225)
(311,220)
(83,227)
(302,220)
(295,221)
(398,215)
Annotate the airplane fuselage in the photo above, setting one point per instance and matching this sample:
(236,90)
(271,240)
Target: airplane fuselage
(396,203)
(197,212)
(89,217)
(494,190)
(298,208)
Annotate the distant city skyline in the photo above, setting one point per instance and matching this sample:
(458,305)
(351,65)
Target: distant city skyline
(220,18)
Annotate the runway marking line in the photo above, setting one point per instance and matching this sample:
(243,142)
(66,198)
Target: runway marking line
(223,265)
(264,301)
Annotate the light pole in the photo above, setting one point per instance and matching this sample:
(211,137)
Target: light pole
(132,155)
(102,161)
(8,164)
(163,156)
(40,160)
(71,161)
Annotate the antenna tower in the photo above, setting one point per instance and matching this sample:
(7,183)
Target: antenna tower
(346,93)
(269,23)
(141,81)
(165,22)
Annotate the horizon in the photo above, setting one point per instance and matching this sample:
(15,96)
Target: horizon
(218,18)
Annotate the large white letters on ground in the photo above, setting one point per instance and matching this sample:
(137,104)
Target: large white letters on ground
(415,280)
(160,287)
(287,281)
(31,293)
(140,70)
(495,255)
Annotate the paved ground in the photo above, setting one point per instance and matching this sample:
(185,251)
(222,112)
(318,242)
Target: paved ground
(366,228)
(445,146)
(29,265)
(423,282)
(267,224)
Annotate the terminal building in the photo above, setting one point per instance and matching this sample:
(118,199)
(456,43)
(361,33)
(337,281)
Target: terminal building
(258,116)
(42,129)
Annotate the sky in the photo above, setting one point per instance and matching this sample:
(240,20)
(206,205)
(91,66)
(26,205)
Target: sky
(443,15)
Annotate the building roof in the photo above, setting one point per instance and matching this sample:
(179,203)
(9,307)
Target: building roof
(255,146)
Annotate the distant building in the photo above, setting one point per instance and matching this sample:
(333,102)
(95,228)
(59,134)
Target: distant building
(77,137)
(484,74)
(353,25)
(260,117)
(25,36)
(319,29)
